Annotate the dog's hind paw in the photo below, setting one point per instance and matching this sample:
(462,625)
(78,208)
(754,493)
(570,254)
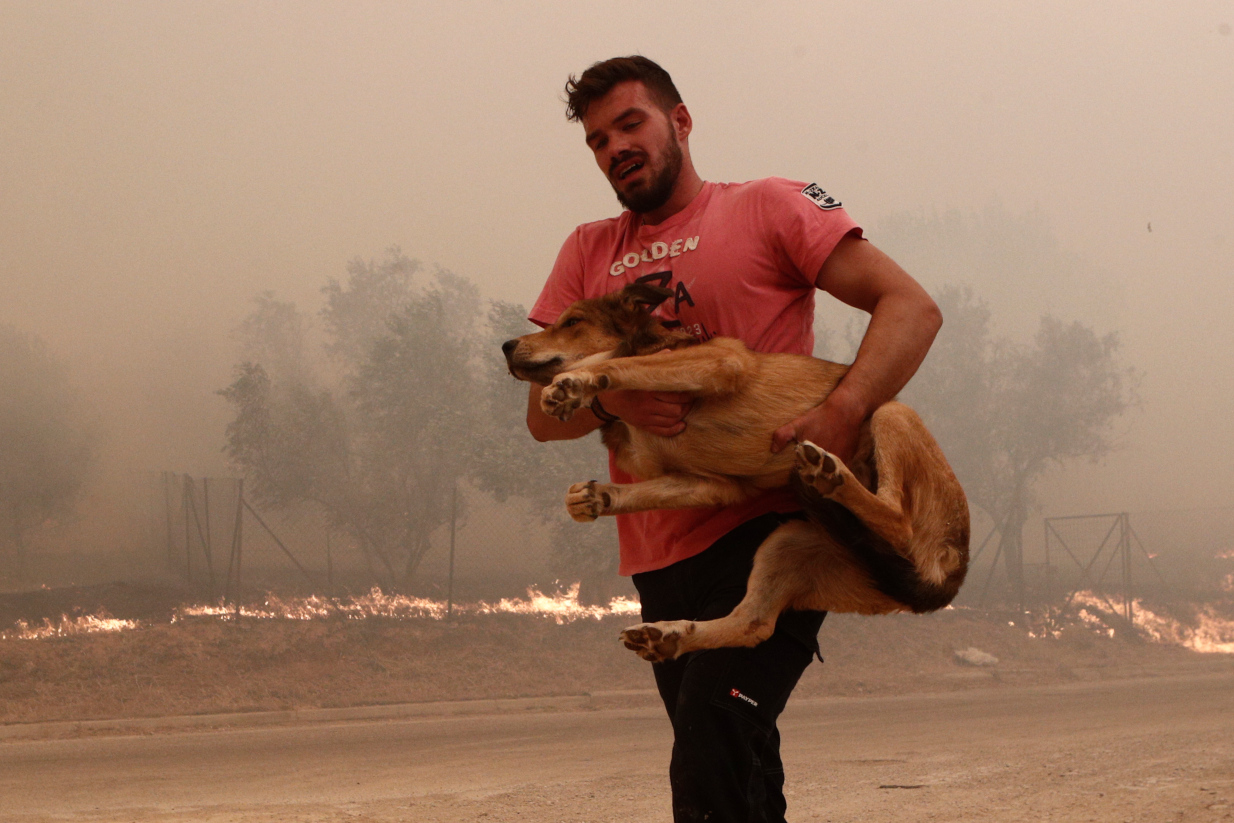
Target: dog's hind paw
(587,501)
(657,642)
(818,468)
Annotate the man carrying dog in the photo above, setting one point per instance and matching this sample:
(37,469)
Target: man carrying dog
(743,260)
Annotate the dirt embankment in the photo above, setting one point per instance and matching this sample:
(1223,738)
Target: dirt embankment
(206,665)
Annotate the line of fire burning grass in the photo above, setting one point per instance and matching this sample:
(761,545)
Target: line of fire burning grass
(67,626)
(563,607)
(1211,633)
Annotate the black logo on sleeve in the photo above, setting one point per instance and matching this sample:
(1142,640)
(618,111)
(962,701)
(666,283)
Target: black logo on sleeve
(821,198)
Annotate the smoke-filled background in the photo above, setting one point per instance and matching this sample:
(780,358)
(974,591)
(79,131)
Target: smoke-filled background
(163,165)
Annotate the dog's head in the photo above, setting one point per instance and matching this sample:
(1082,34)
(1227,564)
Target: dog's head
(616,325)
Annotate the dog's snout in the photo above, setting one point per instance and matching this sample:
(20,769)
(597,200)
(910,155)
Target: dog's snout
(508,347)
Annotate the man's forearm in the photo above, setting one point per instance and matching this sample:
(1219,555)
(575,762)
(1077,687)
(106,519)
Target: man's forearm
(545,428)
(901,329)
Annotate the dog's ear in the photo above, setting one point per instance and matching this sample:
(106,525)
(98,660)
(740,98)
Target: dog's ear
(644,296)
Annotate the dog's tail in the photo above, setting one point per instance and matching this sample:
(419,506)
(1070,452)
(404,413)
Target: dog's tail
(893,574)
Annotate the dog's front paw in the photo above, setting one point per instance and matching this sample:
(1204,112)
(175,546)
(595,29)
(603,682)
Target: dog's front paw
(587,501)
(568,392)
(657,642)
(818,468)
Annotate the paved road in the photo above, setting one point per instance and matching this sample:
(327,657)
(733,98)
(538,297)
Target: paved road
(1147,749)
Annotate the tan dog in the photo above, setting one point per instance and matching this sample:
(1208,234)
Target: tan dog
(887,534)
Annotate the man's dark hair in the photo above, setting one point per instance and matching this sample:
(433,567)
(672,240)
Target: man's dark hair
(600,78)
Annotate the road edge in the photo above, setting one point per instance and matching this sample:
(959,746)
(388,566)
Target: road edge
(637,698)
(593,701)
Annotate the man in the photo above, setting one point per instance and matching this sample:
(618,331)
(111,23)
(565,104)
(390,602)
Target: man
(743,260)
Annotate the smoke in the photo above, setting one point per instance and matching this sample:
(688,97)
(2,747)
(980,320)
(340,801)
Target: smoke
(165,163)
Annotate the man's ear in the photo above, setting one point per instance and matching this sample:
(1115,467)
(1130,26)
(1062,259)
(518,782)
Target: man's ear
(644,296)
(681,121)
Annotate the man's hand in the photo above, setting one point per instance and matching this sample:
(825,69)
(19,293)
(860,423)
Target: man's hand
(835,426)
(903,322)
(659,413)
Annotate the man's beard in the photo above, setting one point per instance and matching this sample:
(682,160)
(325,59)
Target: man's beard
(660,187)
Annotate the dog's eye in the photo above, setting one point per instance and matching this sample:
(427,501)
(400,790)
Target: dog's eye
(572,321)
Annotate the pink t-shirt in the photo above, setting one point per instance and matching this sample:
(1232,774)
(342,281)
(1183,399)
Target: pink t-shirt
(742,260)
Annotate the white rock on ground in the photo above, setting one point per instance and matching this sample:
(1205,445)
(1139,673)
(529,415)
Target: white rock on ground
(973,656)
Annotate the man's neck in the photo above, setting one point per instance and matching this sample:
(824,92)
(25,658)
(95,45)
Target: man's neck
(689,184)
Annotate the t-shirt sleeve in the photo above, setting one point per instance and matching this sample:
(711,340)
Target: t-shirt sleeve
(805,223)
(564,286)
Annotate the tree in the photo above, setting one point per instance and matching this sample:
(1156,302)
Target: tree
(377,445)
(413,397)
(357,311)
(1004,412)
(46,449)
(274,334)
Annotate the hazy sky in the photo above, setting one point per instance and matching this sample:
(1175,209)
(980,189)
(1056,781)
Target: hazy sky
(162,162)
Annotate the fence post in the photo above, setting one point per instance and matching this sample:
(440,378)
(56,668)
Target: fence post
(188,546)
(1125,549)
(206,544)
(450,584)
(329,567)
(238,539)
(1049,583)
(167,507)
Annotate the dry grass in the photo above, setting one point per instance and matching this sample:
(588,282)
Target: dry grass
(207,665)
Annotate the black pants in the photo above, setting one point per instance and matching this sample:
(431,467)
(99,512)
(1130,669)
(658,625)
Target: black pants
(724,703)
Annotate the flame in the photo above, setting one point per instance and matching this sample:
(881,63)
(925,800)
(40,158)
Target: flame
(315,607)
(1093,621)
(563,607)
(1212,633)
(84,624)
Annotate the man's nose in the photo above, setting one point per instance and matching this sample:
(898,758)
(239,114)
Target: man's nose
(618,151)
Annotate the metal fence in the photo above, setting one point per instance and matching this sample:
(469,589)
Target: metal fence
(212,536)
(1162,554)
(217,539)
